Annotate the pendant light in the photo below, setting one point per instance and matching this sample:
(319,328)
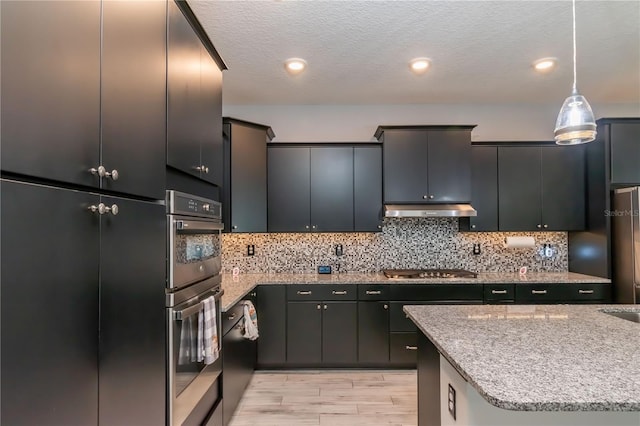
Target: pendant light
(575,124)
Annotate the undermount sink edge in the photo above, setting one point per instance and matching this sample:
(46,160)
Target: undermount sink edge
(630,315)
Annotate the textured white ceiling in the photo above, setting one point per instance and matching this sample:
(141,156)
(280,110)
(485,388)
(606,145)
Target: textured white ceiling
(481,51)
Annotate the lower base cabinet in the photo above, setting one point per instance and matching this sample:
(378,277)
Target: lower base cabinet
(373,332)
(403,349)
(238,363)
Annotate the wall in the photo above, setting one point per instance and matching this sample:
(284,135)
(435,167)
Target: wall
(349,123)
(403,243)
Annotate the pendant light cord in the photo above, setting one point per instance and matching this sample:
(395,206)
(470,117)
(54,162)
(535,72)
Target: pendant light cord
(575,88)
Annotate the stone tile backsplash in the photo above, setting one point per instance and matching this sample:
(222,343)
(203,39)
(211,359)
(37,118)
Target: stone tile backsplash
(403,243)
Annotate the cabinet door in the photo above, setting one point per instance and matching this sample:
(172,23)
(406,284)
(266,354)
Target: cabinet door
(563,188)
(403,349)
(183,85)
(272,310)
(449,166)
(519,189)
(210,113)
(340,332)
(484,188)
(331,189)
(49,313)
(134,81)
(625,153)
(132,313)
(304,332)
(237,368)
(248,179)
(367,189)
(405,166)
(288,189)
(373,332)
(51,89)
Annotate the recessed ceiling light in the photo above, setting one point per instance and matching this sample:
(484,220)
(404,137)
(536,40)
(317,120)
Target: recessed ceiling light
(420,65)
(295,65)
(545,64)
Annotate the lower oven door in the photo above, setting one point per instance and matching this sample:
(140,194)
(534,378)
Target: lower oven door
(194,250)
(194,389)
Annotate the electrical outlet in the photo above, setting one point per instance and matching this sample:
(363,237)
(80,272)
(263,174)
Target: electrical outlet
(251,250)
(476,249)
(452,401)
(548,250)
(339,250)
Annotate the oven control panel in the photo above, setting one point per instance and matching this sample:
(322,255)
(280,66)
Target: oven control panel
(191,205)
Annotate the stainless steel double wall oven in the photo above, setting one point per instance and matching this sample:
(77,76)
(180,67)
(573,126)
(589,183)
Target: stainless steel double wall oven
(194,266)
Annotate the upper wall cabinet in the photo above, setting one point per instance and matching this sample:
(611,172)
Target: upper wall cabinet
(541,188)
(623,137)
(245,177)
(426,164)
(71,115)
(194,82)
(324,188)
(484,190)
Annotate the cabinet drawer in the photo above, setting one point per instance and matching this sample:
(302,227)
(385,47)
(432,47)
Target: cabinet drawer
(444,293)
(539,293)
(403,349)
(373,292)
(588,292)
(499,292)
(231,317)
(322,292)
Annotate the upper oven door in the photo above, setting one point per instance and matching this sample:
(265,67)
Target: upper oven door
(194,250)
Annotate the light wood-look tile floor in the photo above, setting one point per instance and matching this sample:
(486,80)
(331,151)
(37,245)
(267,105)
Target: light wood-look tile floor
(350,397)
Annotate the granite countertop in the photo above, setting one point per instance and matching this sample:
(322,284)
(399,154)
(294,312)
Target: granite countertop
(540,357)
(236,287)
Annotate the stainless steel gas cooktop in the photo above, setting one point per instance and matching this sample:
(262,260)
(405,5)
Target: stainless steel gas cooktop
(428,273)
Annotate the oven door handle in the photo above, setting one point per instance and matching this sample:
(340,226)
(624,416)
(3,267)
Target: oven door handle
(187,312)
(197,226)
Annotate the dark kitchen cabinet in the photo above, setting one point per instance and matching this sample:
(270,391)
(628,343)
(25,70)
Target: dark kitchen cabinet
(426,164)
(245,180)
(51,89)
(625,151)
(403,349)
(484,190)
(289,183)
(327,188)
(322,332)
(64,123)
(49,315)
(304,332)
(367,188)
(94,303)
(373,332)
(271,309)
(238,363)
(533,293)
(541,188)
(132,313)
(194,105)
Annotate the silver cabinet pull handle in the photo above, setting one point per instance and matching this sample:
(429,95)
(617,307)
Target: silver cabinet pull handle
(340,293)
(325,307)
(373,292)
(318,307)
(102,172)
(545,226)
(231,317)
(498,291)
(431,197)
(585,291)
(113,209)
(473,227)
(304,293)
(386,306)
(206,169)
(411,348)
(102,209)
(538,226)
(538,291)
(202,168)
(424,197)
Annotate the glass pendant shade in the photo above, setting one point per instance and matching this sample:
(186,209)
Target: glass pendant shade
(575,124)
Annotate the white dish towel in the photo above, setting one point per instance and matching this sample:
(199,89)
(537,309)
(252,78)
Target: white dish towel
(250,321)
(208,344)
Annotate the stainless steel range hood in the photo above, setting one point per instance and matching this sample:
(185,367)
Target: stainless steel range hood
(429,210)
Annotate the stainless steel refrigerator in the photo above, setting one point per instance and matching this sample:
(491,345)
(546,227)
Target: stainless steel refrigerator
(626,244)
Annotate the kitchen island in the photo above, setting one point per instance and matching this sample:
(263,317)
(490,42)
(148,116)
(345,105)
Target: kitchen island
(527,365)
